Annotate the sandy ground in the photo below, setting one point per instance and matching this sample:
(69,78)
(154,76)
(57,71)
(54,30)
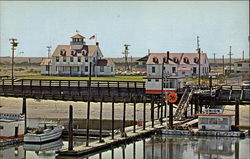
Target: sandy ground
(46,109)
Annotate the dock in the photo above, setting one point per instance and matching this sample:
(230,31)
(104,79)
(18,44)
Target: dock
(108,142)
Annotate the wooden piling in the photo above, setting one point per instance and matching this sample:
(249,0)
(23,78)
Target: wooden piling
(100,122)
(191,102)
(237,114)
(152,113)
(161,119)
(24,112)
(113,117)
(124,119)
(165,110)
(87,122)
(144,114)
(170,115)
(70,145)
(134,128)
(134,150)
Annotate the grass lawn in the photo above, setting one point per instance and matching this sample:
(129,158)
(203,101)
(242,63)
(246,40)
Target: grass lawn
(116,78)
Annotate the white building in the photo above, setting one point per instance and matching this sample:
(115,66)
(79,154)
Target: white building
(177,64)
(175,67)
(75,60)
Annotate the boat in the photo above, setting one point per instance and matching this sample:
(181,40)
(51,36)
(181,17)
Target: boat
(47,131)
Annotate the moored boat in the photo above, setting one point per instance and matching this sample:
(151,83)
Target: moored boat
(49,132)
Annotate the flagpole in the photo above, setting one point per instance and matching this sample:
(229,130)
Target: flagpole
(95,37)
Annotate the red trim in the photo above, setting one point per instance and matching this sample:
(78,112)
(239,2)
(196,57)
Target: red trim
(228,115)
(11,137)
(159,91)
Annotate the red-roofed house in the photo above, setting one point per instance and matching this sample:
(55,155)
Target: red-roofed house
(75,59)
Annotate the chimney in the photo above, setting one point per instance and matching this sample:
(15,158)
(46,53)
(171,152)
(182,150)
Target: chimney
(97,43)
(167,56)
(148,51)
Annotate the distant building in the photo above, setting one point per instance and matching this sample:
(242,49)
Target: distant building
(75,60)
(242,66)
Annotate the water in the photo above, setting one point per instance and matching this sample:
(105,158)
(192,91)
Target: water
(156,147)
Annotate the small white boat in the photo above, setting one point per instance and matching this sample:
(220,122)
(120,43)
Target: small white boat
(49,132)
(54,145)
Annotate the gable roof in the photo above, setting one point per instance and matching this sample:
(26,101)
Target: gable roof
(78,36)
(90,49)
(179,56)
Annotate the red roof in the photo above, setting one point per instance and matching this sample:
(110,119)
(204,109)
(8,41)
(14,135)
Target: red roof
(78,36)
(104,62)
(179,56)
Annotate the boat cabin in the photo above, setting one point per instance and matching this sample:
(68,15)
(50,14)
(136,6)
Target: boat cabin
(213,119)
(10,127)
(170,84)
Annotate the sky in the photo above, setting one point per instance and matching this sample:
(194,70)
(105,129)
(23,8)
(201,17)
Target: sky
(160,26)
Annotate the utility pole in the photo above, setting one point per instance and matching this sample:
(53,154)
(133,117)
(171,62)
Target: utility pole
(230,59)
(214,60)
(243,55)
(49,49)
(126,56)
(131,63)
(223,63)
(14,44)
(199,53)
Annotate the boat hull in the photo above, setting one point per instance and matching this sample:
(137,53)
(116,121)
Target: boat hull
(45,137)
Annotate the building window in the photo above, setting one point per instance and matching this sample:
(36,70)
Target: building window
(86,69)
(239,65)
(165,59)
(149,80)
(63,52)
(71,59)
(57,59)
(183,72)
(155,60)
(194,70)
(173,69)
(56,68)
(101,68)
(111,69)
(86,59)
(185,60)
(47,68)
(1,127)
(79,59)
(175,59)
(156,80)
(153,69)
(196,60)
(64,59)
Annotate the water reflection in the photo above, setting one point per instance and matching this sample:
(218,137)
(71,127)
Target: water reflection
(156,147)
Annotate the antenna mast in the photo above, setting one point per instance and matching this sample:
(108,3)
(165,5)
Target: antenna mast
(49,49)
(230,59)
(126,56)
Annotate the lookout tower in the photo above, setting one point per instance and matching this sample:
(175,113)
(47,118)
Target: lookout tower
(77,42)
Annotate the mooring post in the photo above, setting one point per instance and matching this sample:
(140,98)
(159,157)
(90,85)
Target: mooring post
(124,118)
(152,113)
(191,102)
(165,110)
(196,105)
(134,116)
(70,146)
(161,120)
(24,112)
(144,114)
(100,122)
(134,150)
(87,123)
(170,115)
(144,148)
(113,117)
(237,114)
(158,110)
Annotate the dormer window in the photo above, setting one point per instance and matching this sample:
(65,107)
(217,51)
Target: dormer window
(84,52)
(73,53)
(165,59)
(155,60)
(175,59)
(196,60)
(63,52)
(186,60)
